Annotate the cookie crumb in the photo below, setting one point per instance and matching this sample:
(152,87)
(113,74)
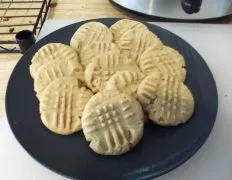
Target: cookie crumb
(11,30)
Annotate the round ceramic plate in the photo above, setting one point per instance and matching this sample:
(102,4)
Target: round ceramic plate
(161,148)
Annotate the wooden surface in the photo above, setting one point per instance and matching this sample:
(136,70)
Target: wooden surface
(61,9)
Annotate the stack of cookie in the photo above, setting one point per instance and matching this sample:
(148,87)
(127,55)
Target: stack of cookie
(107,80)
(58,83)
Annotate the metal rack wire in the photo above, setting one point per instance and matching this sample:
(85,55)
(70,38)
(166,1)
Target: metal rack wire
(17,15)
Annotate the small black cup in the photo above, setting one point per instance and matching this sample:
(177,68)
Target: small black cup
(25,40)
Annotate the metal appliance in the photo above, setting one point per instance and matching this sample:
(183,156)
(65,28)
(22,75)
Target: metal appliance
(179,9)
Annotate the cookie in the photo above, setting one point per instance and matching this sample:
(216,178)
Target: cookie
(166,59)
(125,81)
(52,71)
(62,104)
(53,52)
(135,42)
(167,101)
(90,33)
(124,25)
(112,122)
(99,71)
(93,50)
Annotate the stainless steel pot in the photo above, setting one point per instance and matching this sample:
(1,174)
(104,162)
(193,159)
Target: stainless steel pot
(180,9)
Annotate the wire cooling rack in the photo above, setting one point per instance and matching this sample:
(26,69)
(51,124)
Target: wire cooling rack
(18,15)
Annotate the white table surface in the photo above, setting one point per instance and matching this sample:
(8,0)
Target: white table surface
(212,162)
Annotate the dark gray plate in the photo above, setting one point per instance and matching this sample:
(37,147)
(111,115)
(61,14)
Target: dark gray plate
(160,150)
